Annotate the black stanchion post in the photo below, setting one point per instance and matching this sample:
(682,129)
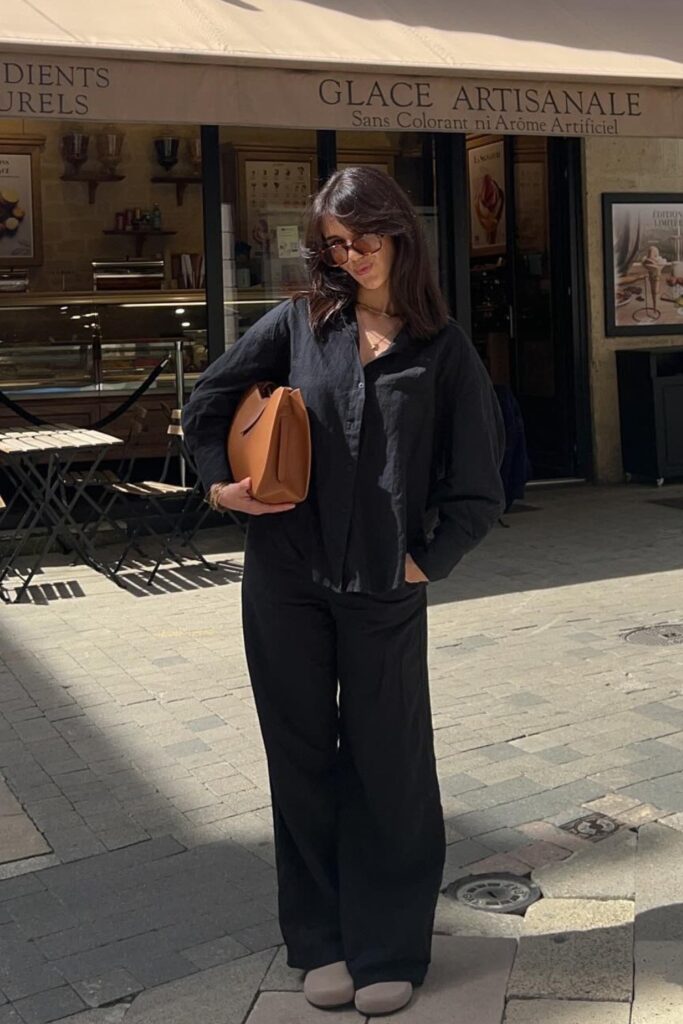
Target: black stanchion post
(180,397)
(326,146)
(213,253)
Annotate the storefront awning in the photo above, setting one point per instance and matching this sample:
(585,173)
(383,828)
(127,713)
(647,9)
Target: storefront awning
(263,61)
(618,40)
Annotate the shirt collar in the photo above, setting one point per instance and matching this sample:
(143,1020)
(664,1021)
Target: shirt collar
(348,319)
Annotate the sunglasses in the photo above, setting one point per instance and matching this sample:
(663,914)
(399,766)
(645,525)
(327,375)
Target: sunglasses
(337,254)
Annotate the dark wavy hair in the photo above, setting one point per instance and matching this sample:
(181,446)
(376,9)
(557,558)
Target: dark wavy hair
(365,199)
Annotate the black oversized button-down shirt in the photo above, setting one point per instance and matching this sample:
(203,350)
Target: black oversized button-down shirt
(406,450)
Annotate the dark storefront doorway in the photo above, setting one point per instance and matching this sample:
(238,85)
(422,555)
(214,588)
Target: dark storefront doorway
(525,291)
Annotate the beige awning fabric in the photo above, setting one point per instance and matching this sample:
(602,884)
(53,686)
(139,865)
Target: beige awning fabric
(543,67)
(627,41)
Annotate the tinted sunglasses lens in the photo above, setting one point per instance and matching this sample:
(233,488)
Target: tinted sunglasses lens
(335,255)
(367,244)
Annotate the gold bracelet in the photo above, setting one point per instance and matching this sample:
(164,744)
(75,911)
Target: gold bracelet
(213,494)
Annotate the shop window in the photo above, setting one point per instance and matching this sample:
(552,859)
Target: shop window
(268,179)
(112,217)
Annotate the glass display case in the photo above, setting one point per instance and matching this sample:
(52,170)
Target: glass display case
(73,344)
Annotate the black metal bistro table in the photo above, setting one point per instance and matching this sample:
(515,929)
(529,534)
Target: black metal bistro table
(37,461)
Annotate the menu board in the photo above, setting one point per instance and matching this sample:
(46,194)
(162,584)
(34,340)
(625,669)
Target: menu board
(273,187)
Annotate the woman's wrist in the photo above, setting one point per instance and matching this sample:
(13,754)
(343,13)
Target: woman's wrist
(213,495)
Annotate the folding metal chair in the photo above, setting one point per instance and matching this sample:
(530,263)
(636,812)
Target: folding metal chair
(104,480)
(179,527)
(3,510)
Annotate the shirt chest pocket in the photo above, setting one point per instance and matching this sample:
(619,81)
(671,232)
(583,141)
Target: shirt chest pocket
(413,381)
(410,381)
(404,399)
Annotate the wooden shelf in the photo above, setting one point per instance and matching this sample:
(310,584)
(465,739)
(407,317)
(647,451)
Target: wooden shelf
(180,181)
(139,236)
(92,181)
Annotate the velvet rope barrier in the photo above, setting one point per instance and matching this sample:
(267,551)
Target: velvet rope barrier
(36,421)
(132,398)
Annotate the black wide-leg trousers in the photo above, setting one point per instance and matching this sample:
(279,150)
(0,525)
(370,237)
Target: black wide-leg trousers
(341,690)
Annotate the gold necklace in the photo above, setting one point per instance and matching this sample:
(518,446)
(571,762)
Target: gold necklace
(377,312)
(381,342)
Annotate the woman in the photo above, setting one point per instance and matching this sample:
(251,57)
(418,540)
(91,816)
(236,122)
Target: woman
(407,442)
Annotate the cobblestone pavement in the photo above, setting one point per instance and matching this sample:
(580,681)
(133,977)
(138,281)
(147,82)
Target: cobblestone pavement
(136,856)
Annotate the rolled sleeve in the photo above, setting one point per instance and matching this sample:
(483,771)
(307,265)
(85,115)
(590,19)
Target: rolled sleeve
(469,497)
(261,354)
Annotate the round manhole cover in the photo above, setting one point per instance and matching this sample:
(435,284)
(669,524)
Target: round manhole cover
(499,894)
(663,635)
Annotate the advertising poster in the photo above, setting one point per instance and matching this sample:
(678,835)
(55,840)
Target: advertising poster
(486,166)
(643,264)
(17,222)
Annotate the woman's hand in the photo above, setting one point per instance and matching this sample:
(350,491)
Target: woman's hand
(237,497)
(413,572)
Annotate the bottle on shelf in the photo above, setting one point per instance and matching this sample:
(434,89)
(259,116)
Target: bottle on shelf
(155,219)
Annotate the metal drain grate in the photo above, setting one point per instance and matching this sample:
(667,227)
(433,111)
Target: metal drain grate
(592,826)
(497,894)
(662,635)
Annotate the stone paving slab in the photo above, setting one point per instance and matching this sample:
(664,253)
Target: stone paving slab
(8,1015)
(48,1006)
(8,802)
(219,951)
(19,837)
(674,821)
(658,982)
(456,919)
(641,814)
(604,870)
(544,831)
(280,977)
(555,1011)
(293,1008)
(576,949)
(666,792)
(659,884)
(221,995)
(538,854)
(108,987)
(108,1015)
(466,983)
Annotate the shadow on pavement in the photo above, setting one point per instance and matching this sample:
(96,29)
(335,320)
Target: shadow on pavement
(563,537)
(146,892)
(574,535)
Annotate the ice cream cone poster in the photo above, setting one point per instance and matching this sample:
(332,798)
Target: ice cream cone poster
(643,264)
(19,241)
(486,166)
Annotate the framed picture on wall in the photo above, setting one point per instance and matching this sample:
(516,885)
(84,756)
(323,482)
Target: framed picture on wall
(20,221)
(643,253)
(487,200)
(274,192)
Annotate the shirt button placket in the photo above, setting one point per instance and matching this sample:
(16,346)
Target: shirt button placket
(357,409)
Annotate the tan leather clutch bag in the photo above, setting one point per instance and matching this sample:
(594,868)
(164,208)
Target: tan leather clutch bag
(270,441)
